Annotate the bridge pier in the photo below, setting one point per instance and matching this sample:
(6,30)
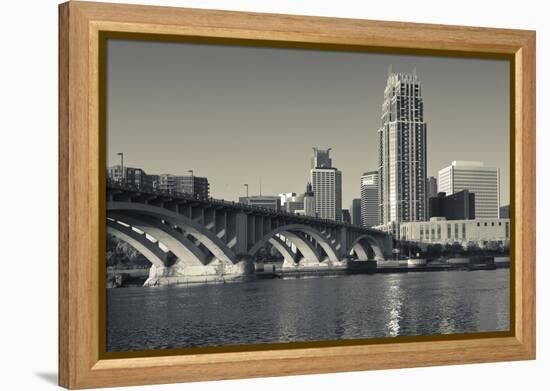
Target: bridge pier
(180,273)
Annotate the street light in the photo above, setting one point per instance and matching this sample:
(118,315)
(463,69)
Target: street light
(246,185)
(122,176)
(192,183)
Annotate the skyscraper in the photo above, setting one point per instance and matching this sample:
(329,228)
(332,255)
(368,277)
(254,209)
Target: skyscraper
(355,211)
(370,206)
(478,179)
(326,182)
(309,201)
(321,158)
(431,187)
(402,151)
(346,216)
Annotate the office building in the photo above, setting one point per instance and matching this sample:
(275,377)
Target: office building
(321,158)
(346,216)
(355,211)
(167,183)
(440,230)
(431,187)
(457,206)
(504,212)
(370,206)
(294,203)
(133,177)
(286,196)
(402,151)
(262,201)
(309,202)
(190,184)
(326,183)
(478,179)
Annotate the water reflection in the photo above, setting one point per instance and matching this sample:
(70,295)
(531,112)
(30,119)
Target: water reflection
(346,307)
(393,300)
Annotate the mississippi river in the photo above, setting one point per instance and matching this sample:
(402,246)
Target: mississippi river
(308,309)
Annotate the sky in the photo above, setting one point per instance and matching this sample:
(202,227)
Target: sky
(252,115)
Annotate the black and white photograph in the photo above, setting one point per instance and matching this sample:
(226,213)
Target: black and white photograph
(276,195)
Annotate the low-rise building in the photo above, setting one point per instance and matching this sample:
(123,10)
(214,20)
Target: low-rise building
(292,202)
(441,230)
(190,184)
(262,201)
(129,176)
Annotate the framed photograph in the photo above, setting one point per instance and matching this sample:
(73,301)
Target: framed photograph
(246,195)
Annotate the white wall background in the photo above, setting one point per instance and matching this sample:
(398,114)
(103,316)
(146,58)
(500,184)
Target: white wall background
(28,158)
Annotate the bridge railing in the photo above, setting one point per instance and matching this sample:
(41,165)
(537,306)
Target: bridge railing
(155,191)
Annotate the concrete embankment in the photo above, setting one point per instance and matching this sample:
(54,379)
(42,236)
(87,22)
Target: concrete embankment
(117,278)
(418,265)
(149,277)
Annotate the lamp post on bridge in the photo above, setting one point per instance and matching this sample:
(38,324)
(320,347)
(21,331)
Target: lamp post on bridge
(192,183)
(122,176)
(246,185)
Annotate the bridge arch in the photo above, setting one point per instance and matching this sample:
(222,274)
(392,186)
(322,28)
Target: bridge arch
(361,246)
(148,249)
(284,250)
(290,231)
(186,251)
(306,248)
(219,249)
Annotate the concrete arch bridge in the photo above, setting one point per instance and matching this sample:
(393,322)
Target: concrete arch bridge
(199,240)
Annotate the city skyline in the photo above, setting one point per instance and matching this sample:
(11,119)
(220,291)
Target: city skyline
(347,122)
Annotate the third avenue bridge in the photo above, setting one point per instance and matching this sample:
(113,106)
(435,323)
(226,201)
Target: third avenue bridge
(191,240)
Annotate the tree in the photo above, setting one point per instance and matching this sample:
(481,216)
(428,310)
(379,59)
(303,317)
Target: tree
(121,254)
(492,246)
(473,248)
(447,249)
(456,249)
(434,250)
(506,247)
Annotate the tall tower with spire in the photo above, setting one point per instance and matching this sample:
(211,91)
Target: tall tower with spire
(402,151)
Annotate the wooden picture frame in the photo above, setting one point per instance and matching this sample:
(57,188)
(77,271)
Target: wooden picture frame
(81,167)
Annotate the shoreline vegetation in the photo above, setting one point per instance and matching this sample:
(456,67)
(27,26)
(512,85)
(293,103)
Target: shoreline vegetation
(127,267)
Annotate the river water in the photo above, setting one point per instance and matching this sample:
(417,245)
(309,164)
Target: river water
(308,309)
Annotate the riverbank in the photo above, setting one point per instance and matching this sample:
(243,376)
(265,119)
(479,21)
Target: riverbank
(397,266)
(137,277)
